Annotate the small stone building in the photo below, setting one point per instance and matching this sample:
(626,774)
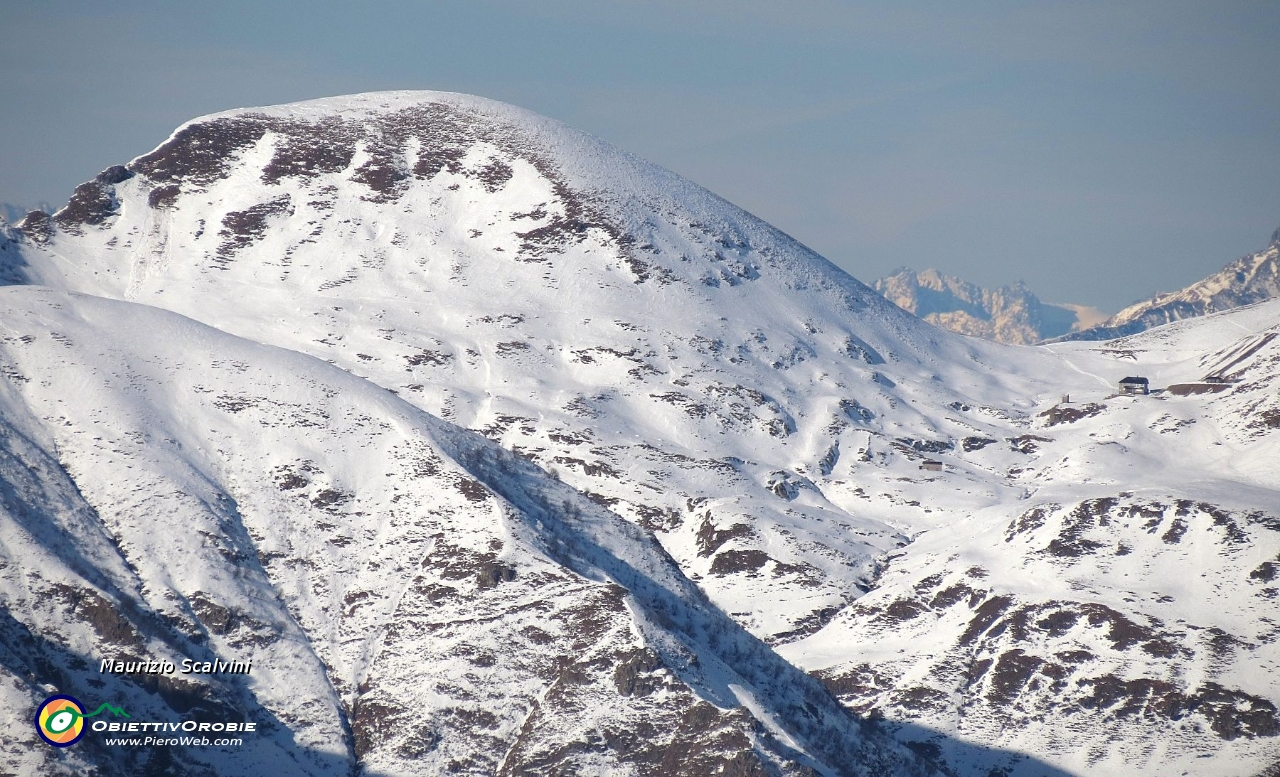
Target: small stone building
(931,465)
(1135,385)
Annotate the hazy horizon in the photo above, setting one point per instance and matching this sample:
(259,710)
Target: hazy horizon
(1100,154)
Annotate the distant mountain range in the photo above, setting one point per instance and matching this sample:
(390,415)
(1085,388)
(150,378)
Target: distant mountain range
(1250,279)
(1009,314)
(1013,314)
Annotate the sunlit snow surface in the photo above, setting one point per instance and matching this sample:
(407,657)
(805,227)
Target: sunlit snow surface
(1086,583)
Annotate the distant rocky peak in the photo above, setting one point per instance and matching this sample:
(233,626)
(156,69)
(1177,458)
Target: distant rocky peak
(1009,314)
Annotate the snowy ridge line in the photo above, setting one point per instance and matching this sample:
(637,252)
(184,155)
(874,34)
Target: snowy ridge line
(1248,280)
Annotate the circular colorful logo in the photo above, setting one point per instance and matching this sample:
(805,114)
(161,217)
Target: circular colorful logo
(60,721)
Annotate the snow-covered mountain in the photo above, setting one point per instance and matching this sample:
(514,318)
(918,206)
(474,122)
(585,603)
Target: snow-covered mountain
(1250,279)
(1009,314)
(249,381)
(623,328)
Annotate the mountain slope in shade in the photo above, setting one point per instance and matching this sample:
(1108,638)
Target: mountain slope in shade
(758,418)
(1247,280)
(1009,314)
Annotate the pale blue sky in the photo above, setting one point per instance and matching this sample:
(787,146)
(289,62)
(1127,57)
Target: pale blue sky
(1098,151)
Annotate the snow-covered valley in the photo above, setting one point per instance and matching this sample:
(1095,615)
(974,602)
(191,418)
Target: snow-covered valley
(500,450)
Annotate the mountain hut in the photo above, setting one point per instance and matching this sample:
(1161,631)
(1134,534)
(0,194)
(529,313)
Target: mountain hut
(1135,385)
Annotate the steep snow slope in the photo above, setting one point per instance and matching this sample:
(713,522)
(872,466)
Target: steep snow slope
(1247,280)
(199,495)
(765,416)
